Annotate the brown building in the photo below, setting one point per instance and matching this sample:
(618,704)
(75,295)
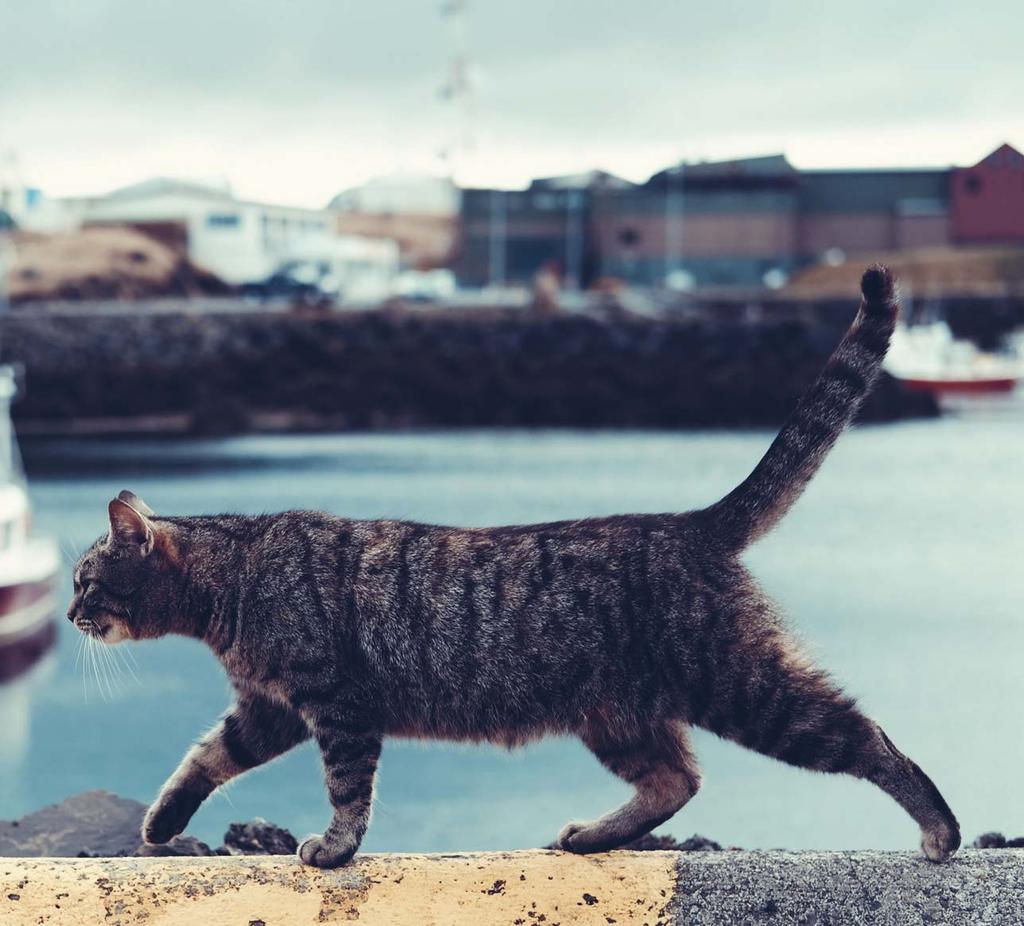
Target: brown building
(419,212)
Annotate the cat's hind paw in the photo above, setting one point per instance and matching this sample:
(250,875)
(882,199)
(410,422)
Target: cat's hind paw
(581,838)
(939,842)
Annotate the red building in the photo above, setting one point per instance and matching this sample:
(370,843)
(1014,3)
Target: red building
(987,200)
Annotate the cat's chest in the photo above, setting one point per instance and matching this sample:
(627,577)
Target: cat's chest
(250,674)
(286,681)
(273,689)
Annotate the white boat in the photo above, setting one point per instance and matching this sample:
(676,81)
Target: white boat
(28,564)
(927,358)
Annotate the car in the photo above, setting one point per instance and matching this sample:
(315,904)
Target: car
(301,282)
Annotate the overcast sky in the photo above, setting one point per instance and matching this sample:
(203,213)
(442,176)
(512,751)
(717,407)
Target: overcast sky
(294,100)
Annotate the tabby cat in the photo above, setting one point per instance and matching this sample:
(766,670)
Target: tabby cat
(624,631)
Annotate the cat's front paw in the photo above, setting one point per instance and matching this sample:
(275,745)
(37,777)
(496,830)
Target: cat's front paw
(168,816)
(321,852)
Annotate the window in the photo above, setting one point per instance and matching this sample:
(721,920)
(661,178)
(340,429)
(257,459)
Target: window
(628,236)
(223,220)
(972,184)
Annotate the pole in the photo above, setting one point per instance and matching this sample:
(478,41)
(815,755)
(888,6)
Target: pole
(673,221)
(574,240)
(496,256)
(6,250)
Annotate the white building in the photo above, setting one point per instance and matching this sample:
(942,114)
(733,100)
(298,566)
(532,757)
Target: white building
(239,240)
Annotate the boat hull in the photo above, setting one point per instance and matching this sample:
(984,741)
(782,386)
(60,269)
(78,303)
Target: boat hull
(27,624)
(961,386)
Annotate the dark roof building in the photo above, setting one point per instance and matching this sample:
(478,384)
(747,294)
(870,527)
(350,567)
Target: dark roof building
(740,223)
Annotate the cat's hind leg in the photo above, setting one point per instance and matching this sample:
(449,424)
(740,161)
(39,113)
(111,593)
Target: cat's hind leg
(658,762)
(779,705)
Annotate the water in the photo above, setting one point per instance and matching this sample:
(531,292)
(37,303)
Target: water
(900,568)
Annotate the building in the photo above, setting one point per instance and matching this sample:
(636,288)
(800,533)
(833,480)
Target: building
(239,240)
(508,236)
(860,211)
(412,194)
(741,223)
(987,200)
(704,224)
(419,212)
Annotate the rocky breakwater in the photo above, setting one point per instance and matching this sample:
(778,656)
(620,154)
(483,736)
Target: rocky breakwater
(232,372)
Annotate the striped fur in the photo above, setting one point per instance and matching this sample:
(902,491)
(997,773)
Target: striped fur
(624,631)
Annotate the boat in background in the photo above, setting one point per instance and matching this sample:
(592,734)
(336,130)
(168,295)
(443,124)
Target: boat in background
(927,358)
(28,564)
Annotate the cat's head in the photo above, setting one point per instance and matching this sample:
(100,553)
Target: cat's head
(124,581)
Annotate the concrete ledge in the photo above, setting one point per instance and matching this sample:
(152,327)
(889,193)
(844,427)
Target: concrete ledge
(520,889)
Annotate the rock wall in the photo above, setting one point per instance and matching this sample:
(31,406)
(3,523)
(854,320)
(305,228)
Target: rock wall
(240,371)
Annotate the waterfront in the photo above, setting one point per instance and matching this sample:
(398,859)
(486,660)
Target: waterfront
(900,569)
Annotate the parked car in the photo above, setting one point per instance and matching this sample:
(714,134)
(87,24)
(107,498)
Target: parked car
(305,282)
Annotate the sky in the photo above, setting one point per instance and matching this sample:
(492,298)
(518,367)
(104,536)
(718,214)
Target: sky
(294,100)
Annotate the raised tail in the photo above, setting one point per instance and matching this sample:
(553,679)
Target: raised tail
(759,502)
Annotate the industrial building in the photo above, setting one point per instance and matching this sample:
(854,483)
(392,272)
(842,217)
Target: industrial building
(742,223)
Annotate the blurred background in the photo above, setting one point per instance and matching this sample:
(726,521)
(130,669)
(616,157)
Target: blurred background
(479,263)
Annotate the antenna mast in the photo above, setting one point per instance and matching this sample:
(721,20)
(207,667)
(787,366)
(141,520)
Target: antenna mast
(457,90)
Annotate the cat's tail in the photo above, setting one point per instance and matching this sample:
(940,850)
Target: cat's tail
(824,411)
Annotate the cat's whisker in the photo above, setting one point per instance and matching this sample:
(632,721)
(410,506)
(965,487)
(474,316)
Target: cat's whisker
(112,669)
(96,667)
(127,672)
(69,556)
(224,791)
(90,662)
(80,666)
(102,672)
(128,661)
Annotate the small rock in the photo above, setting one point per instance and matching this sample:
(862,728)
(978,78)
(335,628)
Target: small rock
(179,845)
(697,843)
(257,837)
(997,841)
(989,841)
(654,843)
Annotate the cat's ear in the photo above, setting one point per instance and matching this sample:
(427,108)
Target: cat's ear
(137,503)
(130,527)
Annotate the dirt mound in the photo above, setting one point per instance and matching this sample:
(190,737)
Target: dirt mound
(111,262)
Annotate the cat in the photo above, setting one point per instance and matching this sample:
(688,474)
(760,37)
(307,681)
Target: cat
(624,631)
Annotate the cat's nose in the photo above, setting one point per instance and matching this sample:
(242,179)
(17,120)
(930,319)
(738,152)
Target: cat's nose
(71,614)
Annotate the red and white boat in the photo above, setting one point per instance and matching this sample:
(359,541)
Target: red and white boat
(28,565)
(927,358)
